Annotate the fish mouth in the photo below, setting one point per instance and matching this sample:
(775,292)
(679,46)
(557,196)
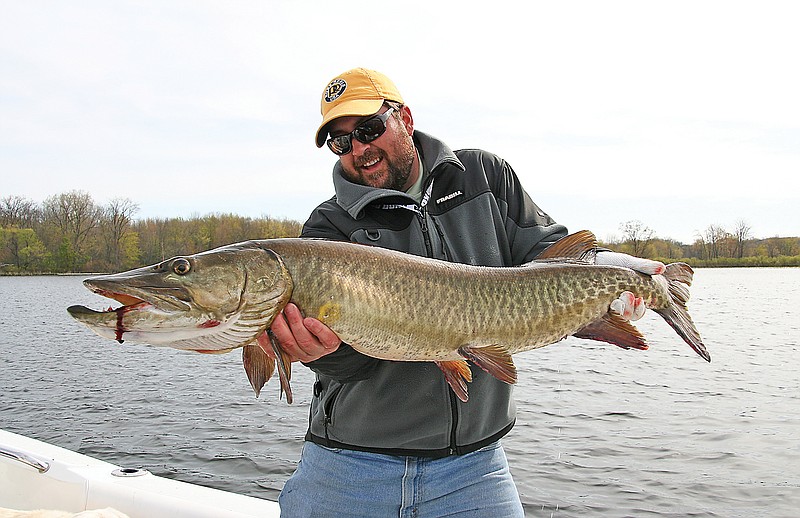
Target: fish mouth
(129,303)
(136,304)
(133,299)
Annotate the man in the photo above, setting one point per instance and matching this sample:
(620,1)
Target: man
(390,438)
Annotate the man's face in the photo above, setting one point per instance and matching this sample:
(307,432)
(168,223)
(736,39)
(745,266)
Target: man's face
(386,162)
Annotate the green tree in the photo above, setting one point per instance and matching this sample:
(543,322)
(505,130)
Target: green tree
(72,216)
(22,248)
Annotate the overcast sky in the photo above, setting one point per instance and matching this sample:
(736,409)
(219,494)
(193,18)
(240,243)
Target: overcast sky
(677,114)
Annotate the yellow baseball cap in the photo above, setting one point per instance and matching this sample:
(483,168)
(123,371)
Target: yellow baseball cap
(356,93)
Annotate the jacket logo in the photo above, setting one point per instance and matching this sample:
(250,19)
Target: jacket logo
(449,196)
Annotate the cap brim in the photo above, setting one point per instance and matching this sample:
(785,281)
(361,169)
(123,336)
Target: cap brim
(354,108)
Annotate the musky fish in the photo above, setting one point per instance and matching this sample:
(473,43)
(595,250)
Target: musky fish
(226,298)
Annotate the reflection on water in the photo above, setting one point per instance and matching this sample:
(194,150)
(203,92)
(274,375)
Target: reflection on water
(600,431)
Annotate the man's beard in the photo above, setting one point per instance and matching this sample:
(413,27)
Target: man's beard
(399,168)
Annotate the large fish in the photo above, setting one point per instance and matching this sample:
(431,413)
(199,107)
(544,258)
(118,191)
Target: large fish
(385,304)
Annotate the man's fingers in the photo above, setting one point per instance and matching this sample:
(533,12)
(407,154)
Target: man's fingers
(324,334)
(638,309)
(628,306)
(303,339)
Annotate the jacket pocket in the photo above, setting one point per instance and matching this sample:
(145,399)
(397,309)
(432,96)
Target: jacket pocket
(329,404)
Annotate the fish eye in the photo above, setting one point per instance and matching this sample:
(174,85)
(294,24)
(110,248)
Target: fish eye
(181,266)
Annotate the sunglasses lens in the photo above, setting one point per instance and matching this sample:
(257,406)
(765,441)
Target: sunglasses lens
(365,132)
(340,145)
(369,130)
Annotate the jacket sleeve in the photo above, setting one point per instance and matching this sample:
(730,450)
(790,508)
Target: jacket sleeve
(530,230)
(344,364)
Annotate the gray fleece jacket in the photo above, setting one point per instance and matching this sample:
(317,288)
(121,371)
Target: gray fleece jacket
(474,211)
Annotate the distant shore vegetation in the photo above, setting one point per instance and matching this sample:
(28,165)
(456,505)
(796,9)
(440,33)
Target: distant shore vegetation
(71,233)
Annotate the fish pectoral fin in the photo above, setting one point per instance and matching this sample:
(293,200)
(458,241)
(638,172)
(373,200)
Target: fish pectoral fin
(613,329)
(457,374)
(258,366)
(268,340)
(494,359)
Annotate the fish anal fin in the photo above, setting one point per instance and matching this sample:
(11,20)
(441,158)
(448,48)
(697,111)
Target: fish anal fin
(457,374)
(257,365)
(494,359)
(284,363)
(613,329)
(573,246)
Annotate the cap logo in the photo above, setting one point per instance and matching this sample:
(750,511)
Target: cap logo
(335,90)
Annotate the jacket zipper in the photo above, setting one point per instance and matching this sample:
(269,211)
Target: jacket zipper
(327,410)
(454,410)
(422,215)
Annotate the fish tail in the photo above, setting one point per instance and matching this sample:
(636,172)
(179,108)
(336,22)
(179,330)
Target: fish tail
(679,278)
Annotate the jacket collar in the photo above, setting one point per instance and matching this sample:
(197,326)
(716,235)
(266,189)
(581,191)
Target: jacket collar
(354,198)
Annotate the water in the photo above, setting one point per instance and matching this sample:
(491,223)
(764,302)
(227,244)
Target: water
(600,431)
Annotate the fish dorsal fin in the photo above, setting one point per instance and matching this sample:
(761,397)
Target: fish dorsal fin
(573,246)
(614,330)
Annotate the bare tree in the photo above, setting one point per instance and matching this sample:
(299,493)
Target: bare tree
(16,211)
(637,236)
(713,238)
(116,226)
(741,234)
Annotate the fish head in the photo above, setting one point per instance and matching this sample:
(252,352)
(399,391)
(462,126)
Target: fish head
(213,301)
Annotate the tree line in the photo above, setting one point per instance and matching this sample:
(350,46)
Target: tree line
(70,232)
(716,246)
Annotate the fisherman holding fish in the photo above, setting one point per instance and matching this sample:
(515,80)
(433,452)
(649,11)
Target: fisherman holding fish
(390,438)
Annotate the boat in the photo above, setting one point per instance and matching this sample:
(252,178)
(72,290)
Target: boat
(37,475)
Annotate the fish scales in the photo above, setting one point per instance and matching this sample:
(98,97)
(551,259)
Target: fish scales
(400,307)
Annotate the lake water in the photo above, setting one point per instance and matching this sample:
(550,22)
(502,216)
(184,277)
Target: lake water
(600,431)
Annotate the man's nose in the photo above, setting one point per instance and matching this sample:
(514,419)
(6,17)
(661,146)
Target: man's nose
(358,147)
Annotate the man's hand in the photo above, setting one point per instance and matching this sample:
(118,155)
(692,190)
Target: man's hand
(628,306)
(608,258)
(303,339)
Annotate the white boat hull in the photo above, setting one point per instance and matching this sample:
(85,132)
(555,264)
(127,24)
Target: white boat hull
(75,482)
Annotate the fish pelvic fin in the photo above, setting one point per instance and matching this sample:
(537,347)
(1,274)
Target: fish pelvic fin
(494,359)
(457,374)
(574,246)
(257,365)
(679,278)
(267,340)
(284,367)
(614,330)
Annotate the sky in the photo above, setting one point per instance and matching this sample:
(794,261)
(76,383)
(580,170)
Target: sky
(680,115)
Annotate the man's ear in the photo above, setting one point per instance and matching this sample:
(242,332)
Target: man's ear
(407,118)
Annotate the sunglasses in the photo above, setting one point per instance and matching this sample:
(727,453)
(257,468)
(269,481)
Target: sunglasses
(365,133)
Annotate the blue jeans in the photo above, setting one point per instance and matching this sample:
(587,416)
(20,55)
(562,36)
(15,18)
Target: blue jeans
(338,483)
